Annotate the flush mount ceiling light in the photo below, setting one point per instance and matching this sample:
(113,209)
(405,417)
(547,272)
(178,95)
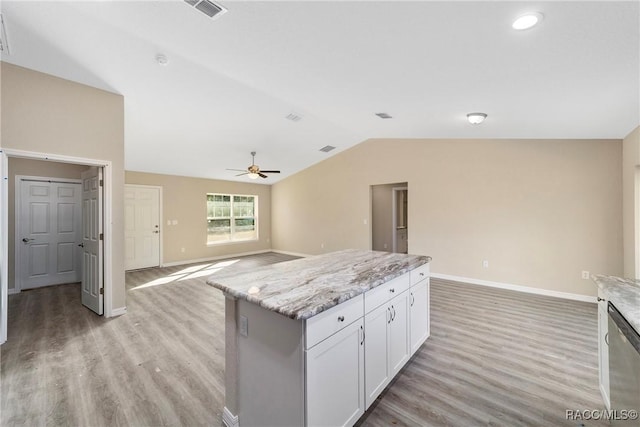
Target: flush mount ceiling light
(526,21)
(476,118)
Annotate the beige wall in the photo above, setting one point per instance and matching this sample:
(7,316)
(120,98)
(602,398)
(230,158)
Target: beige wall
(631,204)
(382,217)
(32,168)
(46,114)
(540,211)
(184,200)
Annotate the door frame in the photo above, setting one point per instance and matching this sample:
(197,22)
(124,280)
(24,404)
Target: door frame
(160,217)
(394,217)
(4,225)
(18,218)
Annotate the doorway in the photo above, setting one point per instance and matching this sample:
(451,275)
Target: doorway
(7,234)
(48,232)
(142,226)
(389,217)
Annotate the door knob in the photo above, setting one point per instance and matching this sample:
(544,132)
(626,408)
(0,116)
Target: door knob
(27,240)
(156,232)
(81,245)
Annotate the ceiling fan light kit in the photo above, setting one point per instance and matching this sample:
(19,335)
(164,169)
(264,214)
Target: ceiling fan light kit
(253,171)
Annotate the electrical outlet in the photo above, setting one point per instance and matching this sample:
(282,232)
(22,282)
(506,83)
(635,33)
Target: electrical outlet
(168,222)
(586,275)
(244,326)
(183,250)
(385,246)
(365,221)
(485,264)
(321,245)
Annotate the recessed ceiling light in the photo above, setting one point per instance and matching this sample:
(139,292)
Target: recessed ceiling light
(476,118)
(526,21)
(162,59)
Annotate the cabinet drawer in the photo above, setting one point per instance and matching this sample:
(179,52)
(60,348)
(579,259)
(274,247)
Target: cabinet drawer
(419,274)
(383,293)
(331,321)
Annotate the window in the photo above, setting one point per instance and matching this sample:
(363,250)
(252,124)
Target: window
(231,218)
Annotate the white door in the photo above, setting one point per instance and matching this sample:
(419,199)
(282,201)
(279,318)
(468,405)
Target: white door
(335,378)
(399,333)
(376,361)
(142,226)
(92,240)
(419,307)
(49,231)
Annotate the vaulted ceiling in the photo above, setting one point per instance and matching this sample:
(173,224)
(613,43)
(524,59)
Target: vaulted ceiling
(230,82)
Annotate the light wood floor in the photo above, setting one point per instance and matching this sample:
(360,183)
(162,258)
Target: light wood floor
(495,357)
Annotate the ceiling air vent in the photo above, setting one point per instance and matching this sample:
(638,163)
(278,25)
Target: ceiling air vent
(293,117)
(327,148)
(4,44)
(210,9)
(384,116)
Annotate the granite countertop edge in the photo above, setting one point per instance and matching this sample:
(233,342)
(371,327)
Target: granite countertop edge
(290,298)
(624,294)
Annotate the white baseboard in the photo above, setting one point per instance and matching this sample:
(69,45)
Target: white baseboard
(118,311)
(229,419)
(290,253)
(215,258)
(12,291)
(519,288)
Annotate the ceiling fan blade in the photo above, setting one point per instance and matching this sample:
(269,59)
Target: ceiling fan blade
(240,174)
(262,175)
(269,171)
(239,170)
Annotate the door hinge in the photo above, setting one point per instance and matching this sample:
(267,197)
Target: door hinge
(101,236)
(101,291)
(101,183)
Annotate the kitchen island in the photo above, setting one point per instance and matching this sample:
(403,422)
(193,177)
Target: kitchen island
(314,341)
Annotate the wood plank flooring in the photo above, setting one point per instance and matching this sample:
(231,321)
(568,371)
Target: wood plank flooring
(494,358)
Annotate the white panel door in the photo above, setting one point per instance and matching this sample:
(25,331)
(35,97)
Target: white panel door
(49,232)
(376,360)
(335,378)
(142,227)
(419,307)
(92,240)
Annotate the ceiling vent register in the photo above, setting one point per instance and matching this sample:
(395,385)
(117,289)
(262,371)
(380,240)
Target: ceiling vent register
(210,9)
(327,148)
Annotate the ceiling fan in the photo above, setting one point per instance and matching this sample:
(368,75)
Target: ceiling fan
(253,171)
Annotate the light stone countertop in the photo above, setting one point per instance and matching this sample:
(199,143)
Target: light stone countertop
(624,294)
(304,287)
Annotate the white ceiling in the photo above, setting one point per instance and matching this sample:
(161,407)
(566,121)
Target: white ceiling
(231,81)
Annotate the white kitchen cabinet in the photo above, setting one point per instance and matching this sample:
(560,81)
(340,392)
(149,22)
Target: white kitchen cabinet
(603,348)
(386,343)
(335,378)
(419,329)
(377,377)
(399,332)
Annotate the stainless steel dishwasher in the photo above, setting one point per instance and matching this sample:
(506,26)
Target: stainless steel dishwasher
(624,368)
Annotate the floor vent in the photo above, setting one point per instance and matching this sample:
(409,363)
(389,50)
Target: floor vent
(210,9)
(327,148)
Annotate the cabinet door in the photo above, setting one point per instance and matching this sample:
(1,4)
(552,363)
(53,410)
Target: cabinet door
(419,320)
(603,351)
(399,333)
(376,360)
(335,378)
